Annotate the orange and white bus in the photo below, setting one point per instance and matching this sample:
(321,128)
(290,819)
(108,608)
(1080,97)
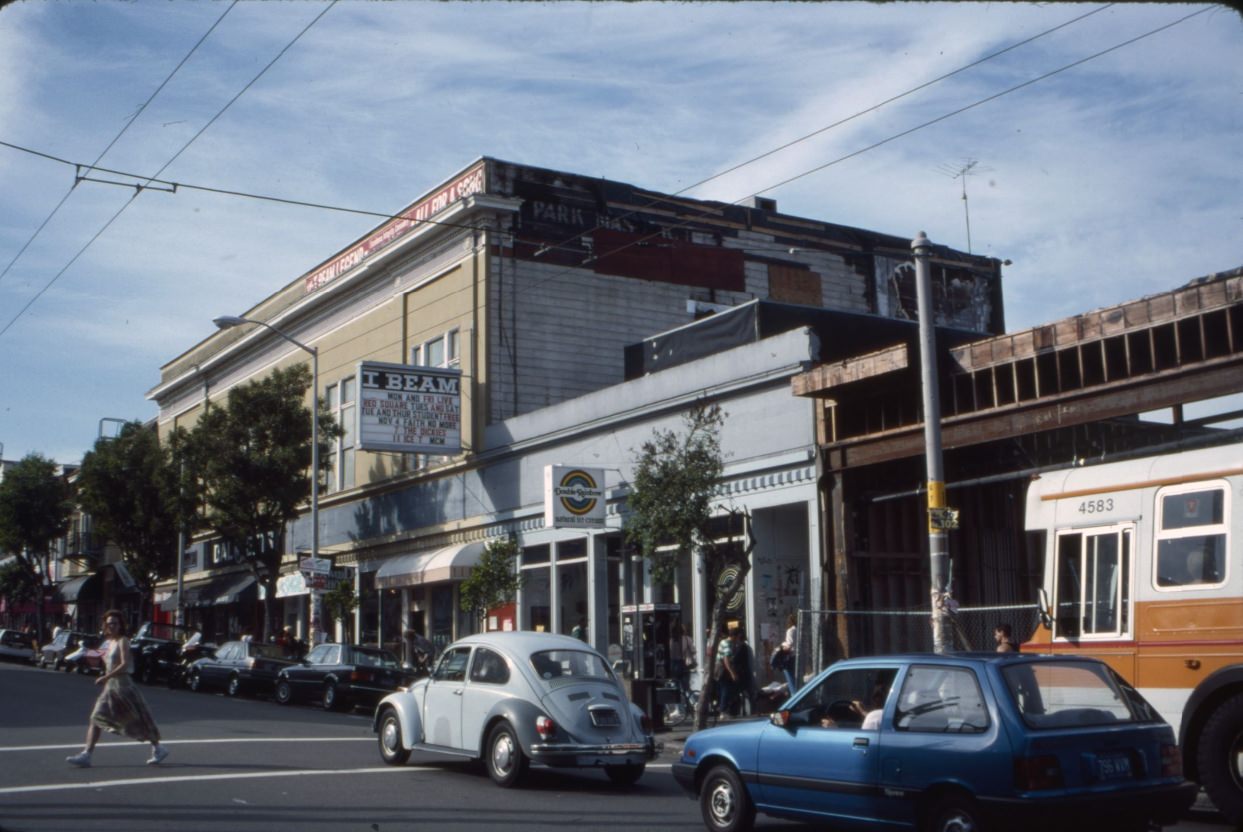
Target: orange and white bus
(1144,570)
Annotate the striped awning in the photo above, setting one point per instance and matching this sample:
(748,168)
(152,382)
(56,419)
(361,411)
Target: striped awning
(452,563)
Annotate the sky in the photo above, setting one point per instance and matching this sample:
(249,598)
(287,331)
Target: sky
(1117,177)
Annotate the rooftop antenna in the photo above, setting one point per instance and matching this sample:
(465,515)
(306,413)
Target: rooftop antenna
(962,172)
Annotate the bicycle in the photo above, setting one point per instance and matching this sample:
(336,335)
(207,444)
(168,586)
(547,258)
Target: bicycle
(683,708)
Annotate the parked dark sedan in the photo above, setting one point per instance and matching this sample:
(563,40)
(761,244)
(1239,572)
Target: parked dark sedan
(342,675)
(54,652)
(239,667)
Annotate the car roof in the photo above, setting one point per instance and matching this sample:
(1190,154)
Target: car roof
(525,641)
(971,657)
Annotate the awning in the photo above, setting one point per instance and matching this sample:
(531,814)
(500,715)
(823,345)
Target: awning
(207,592)
(237,589)
(448,564)
(83,587)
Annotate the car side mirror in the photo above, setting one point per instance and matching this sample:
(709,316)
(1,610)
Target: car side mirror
(1046,620)
(780,718)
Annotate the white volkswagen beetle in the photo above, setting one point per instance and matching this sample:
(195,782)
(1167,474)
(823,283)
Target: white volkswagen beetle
(515,698)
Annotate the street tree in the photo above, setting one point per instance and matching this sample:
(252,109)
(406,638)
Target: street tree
(340,602)
(495,580)
(252,460)
(671,515)
(128,485)
(35,507)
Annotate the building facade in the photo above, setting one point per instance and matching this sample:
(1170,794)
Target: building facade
(541,287)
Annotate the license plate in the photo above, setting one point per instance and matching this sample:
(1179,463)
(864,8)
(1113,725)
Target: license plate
(605,719)
(1113,767)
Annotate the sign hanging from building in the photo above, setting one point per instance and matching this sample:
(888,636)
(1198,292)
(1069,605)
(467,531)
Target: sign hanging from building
(573,497)
(409,409)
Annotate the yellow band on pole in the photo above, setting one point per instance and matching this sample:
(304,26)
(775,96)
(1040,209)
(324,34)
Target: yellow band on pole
(936,494)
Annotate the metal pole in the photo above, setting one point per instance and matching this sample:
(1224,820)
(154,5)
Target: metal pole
(938,549)
(317,596)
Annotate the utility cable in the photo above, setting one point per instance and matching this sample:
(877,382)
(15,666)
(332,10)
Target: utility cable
(565,243)
(686,223)
(183,149)
(850,118)
(117,138)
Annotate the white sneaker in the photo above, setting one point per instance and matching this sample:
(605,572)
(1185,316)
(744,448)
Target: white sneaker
(157,756)
(82,759)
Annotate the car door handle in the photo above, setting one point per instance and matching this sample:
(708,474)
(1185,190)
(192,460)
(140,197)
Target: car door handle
(457,692)
(860,744)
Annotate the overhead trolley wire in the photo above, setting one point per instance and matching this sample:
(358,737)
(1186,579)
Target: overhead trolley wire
(138,189)
(686,223)
(852,117)
(116,138)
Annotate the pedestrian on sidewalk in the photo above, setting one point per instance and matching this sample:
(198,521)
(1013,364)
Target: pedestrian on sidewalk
(120,707)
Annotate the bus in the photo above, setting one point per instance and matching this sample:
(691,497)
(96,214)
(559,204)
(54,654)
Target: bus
(1143,569)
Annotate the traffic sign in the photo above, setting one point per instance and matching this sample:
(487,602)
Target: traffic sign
(315,566)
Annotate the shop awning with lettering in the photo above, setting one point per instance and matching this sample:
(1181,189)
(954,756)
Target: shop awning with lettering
(451,563)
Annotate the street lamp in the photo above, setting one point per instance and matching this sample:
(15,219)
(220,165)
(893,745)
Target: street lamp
(229,321)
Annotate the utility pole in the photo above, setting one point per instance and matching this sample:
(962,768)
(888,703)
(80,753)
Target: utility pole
(940,517)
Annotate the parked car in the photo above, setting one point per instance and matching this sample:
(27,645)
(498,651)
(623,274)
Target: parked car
(342,675)
(89,657)
(62,644)
(14,644)
(156,648)
(962,742)
(239,667)
(513,698)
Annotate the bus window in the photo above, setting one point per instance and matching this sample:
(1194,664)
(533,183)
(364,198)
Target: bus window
(1093,583)
(1191,538)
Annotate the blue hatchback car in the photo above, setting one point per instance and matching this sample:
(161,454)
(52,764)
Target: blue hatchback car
(946,743)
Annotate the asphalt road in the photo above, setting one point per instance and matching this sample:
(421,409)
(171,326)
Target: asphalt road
(245,764)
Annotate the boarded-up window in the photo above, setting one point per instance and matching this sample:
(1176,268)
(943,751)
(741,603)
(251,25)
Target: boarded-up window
(794,285)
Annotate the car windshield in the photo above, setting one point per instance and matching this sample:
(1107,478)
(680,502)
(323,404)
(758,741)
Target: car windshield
(164,632)
(559,667)
(1066,694)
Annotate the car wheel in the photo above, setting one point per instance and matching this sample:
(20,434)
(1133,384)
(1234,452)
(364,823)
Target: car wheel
(1219,758)
(147,676)
(392,751)
(196,681)
(954,813)
(234,687)
(626,775)
(284,693)
(56,663)
(331,700)
(506,762)
(724,802)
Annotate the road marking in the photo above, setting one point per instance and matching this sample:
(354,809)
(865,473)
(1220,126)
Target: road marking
(119,743)
(195,778)
(258,775)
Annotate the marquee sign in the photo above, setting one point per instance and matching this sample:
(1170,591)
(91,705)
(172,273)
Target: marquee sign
(573,497)
(409,409)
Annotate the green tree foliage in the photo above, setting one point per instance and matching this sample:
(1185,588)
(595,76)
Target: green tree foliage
(495,580)
(129,486)
(35,507)
(676,478)
(18,584)
(340,602)
(252,460)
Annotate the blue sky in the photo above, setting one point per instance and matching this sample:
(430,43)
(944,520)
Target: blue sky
(1112,180)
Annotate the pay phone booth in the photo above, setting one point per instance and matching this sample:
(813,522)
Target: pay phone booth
(646,636)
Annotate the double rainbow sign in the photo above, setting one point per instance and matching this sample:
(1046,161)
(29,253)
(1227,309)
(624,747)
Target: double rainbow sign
(573,497)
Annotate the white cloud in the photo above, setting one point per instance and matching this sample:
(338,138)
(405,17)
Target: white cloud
(1112,180)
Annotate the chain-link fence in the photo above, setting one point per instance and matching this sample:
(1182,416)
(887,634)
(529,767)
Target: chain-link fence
(824,636)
